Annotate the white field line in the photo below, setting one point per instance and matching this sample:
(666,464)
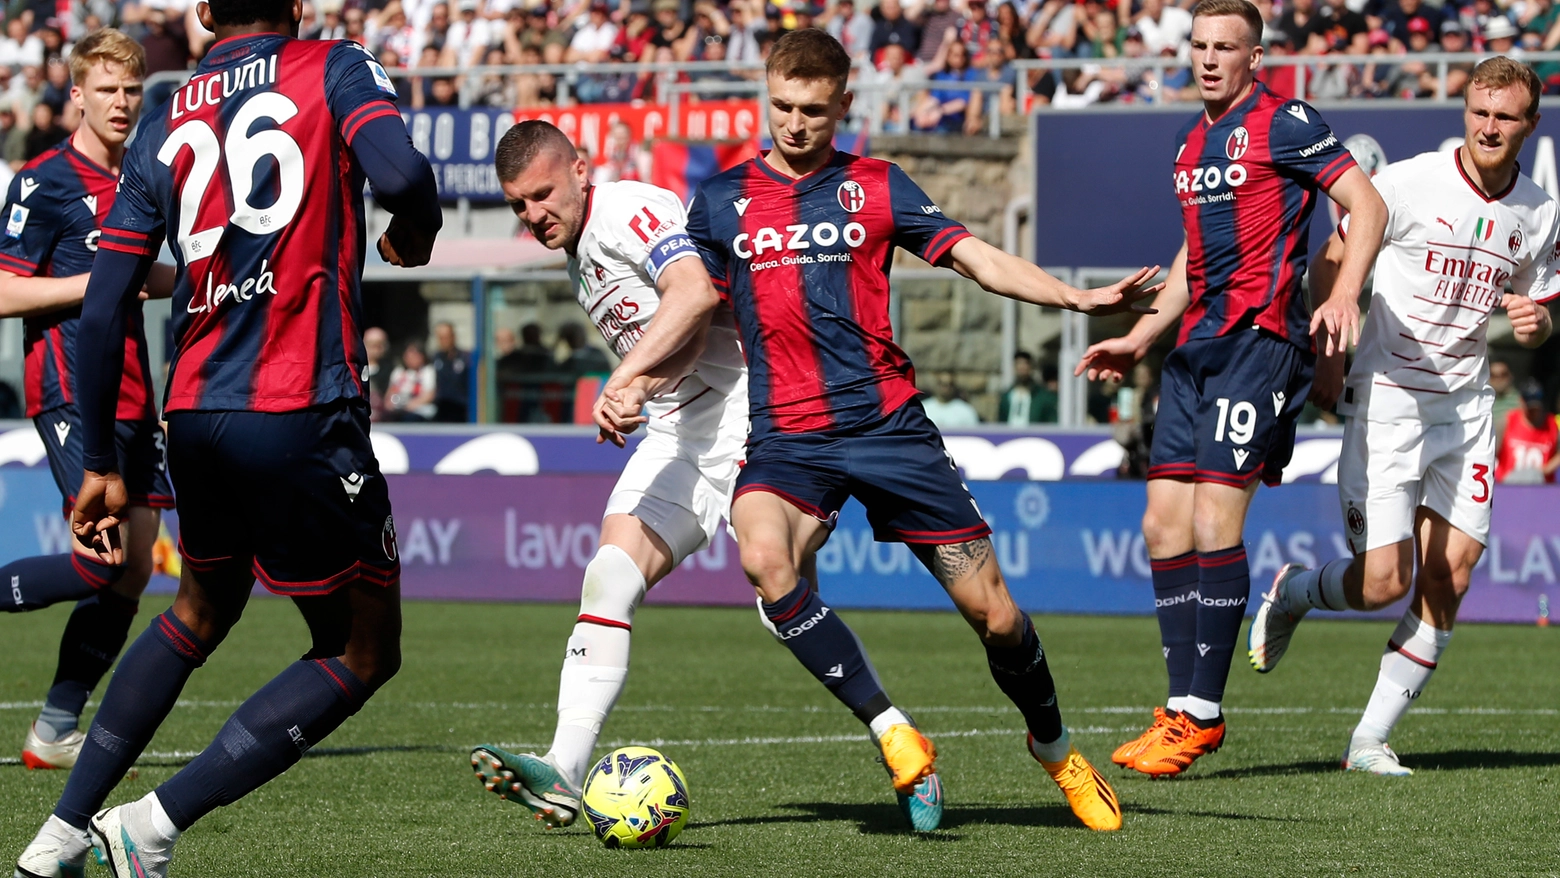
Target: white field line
(929,709)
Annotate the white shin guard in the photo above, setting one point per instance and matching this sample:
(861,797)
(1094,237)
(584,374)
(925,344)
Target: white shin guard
(595,664)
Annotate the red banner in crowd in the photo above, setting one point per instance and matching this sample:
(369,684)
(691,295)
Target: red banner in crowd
(587,124)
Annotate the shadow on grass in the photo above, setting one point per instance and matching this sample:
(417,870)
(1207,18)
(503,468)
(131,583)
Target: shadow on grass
(316,753)
(1454,760)
(1216,815)
(881,818)
(1304,766)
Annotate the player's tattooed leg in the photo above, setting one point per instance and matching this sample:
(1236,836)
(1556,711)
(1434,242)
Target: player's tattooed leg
(951,564)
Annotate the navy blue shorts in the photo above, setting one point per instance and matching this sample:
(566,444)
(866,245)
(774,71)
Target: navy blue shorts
(142,457)
(1228,407)
(898,469)
(296,497)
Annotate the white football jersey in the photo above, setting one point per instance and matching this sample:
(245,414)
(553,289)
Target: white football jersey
(632,232)
(1446,259)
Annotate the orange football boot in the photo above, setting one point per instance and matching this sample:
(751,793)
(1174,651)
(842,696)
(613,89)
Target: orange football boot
(1128,753)
(1178,747)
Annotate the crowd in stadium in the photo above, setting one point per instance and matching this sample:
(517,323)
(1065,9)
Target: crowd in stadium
(927,45)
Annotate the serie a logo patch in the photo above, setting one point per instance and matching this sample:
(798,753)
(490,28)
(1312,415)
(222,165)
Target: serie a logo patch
(16,221)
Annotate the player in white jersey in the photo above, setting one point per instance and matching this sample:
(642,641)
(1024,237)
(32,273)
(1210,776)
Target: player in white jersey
(1415,473)
(627,246)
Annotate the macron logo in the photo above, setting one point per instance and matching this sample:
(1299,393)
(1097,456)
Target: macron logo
(836,671)
(62,430)
(29,185)
(740,204)
(352,484)
(1202,648)
(91,202)
(1298,112)
(1278,403)
(1240,457)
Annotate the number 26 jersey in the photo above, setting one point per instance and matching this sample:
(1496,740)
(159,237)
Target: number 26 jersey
(248,171)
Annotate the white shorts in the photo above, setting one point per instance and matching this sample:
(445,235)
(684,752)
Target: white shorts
(679,479)
(1388,469)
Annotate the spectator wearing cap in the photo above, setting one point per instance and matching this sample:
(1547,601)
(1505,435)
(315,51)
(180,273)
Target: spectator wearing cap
(469,35)
(671,32)
(1397,14)
(1416,79)
(592,42)
(1458,73)
(889,25)
(1529,441)
(849,25)
(1500,37)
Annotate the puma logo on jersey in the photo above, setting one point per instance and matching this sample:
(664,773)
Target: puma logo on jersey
(1447,224)
(741,205)
(29,185)
(1278,403)
(62,430)
(1298,112)
(91,202)
(1240,457)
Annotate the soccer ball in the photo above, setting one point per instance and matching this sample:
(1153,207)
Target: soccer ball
(636,798)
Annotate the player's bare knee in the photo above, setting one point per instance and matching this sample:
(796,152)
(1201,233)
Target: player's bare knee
(1163,534)
(769,568)
(1385,584)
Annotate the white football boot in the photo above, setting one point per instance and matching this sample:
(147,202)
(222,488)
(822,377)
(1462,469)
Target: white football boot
(1374,758)
(131,847)
(58,851)
(38,753)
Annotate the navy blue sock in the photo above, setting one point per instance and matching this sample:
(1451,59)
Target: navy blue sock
(1024,677)
(92,640)
(46,580)
(266,736)
(1175,603)
(1224,583)
(826,646)
(150,677)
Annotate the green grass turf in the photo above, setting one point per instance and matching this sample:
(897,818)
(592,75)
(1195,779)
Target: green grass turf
(391,794)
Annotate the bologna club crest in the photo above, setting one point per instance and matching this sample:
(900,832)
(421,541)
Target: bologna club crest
(1515,241)
(852,197)
(1239,142)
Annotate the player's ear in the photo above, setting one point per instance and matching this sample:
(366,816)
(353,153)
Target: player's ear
(845,102)
(203,13)
(297,11)
(1256,57)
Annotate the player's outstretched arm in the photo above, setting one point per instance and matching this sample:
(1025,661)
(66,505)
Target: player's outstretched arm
(404,185)
(114,288)
(1008,275)
(1327,385)
(29,296)
(1336,321)
(1113,359)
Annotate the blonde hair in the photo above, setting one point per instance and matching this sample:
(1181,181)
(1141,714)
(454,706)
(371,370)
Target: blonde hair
(107,45)
(1503,72)
(1246,11)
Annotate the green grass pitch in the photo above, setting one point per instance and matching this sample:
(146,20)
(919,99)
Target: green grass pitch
(783,780)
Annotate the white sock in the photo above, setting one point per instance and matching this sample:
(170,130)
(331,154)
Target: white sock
(158,820)
(1053,751)
(1406,666)
(1201,708)
(891,717)
(1320,589)
(595,665)
(1176,703)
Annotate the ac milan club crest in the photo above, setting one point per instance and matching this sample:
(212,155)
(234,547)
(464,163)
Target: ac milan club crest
(1239,142)
(852,196)
(1515,241)
(1356,521)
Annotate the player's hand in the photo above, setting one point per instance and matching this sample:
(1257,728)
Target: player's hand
(618,411)
(1109,360)
(405,245)
(1336,324)
(95,521)
(1327,385)
(1528,318)
(1126,294)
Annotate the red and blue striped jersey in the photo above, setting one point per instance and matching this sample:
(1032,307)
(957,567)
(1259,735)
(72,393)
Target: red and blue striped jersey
(805,266)
(247,170)
(1247,185)
(54,212)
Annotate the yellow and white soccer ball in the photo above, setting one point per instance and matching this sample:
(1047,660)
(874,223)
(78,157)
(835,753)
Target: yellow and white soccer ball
(636,798)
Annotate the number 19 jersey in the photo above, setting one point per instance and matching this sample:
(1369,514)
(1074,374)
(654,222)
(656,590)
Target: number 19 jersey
(248,171)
